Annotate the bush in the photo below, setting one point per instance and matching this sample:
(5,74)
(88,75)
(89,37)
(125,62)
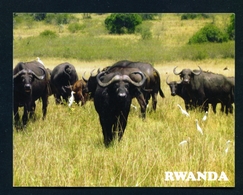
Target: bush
(75,27)
(144,31)
(209,33)
(39,16)
(231,28)
(23,18)
(192,16)
(48,33)
(122,23)
(58,18)
(147,16)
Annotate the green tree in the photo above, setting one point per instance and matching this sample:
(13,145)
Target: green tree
(122,23)
(209,33)
(231,27)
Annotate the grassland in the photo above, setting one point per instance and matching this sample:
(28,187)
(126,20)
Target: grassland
(66,149)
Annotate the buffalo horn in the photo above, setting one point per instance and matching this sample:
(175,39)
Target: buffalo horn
(174,71)
(29,71)
(115,78)
(121,77)
(20,72)
(197,73)
(167,80)
(137,84)
(84,78)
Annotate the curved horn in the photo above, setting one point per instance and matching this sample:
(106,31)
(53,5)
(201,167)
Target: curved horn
(167,80)
(102,84)
(20,72)
(29,71)
(92,72)
(84,78)
(38,77)
(197,73)
(137,84)
(174,71)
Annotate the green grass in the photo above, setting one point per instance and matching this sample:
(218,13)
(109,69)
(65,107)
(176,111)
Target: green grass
(170,37)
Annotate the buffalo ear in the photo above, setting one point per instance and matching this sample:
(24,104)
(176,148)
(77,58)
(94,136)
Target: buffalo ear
(67,71)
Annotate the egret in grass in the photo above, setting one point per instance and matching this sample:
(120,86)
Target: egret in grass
(184,142)
(38,60)
(183,111)
(205,116)
(71,99)
(198,127)
(227,146)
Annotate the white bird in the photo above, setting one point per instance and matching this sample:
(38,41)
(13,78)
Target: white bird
(198,127)
(227,146)
(71,99)
(183,111)
(38,60)
(205,116)
(184,142)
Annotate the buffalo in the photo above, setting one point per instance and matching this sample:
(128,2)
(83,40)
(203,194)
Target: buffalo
(31,82)
(112,99)
(62,77)
(152,84)
(177,88)
(207,87)
(80,93)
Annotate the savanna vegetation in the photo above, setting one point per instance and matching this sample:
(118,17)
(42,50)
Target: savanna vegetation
(66,149)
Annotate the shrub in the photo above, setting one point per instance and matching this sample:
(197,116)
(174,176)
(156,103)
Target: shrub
(231,28)
(75,27)
(58,18)
(144,31)
(122,23)
(147,16)
(48,33)
(192,16)
(23,18)
(209,33)
(39,16)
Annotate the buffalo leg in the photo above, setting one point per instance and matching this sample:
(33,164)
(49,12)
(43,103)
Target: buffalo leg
(214,107)
(25,115)
(154,100)
(143,105)
(44,105)
(120,126)
(32,109)
(106,124)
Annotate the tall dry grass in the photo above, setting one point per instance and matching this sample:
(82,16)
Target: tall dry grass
(66,149)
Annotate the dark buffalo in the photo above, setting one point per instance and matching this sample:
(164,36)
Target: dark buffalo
(207,87)
(62,77)
(177,88)
(112,99)
(152,84)
(80,93)
(91,84)
(31,82)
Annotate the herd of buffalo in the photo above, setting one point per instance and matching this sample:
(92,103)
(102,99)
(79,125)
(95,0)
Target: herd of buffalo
(113,88)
